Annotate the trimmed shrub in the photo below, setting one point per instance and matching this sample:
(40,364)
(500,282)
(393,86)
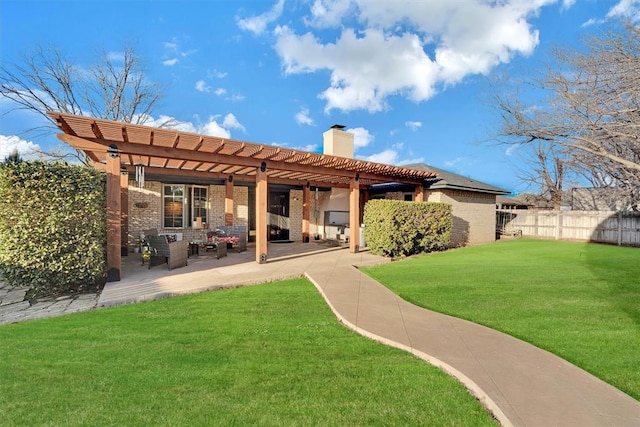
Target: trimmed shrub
(397,228)
(52,227)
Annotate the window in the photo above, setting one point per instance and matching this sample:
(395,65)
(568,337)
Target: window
(173,203)
(182,204)
(408,197)
(200,203)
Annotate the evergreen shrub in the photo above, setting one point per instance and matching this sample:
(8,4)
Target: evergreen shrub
(397,228)
(52,227)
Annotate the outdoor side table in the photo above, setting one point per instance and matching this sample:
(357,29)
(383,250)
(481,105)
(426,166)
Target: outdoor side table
(194,248)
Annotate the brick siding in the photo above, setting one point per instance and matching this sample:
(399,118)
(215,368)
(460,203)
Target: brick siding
(474,215)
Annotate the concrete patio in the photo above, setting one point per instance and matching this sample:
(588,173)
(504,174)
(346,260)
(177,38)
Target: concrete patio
(205,272)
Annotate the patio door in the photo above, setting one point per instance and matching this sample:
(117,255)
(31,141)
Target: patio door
(278,215)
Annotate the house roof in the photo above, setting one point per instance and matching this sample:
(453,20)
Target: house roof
(170,152)
(513,201)
(451,181)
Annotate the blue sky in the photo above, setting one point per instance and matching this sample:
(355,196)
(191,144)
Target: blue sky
(410,79)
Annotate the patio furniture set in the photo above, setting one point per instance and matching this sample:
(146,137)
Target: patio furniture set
(166,248)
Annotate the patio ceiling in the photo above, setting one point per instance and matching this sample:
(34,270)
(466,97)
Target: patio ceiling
(167,152)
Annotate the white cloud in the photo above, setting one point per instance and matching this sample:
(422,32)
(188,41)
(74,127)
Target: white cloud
(302,117)
(174,51)
(391,156)
(327,13)
(361,137)
(217,74)
(414,126)
(410,161)
(214,129)
(412,51)
(310,148)
(258,24)
(365,69)
(591,21)
(10,143)
(220,91)
(236,98)
(625,9)
(201,86)
(388,157)
(511,150)
(210,127)
(230,121)
(115,56)
(452,163)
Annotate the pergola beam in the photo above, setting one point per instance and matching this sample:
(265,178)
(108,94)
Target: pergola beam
(199,156)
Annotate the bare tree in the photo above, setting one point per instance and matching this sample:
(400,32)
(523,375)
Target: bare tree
(593,111)
(545,168)
(114,88)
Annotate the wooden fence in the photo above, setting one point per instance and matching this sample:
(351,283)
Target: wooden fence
(619,228)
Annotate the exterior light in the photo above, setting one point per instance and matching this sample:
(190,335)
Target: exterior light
(112,150)
(263,166)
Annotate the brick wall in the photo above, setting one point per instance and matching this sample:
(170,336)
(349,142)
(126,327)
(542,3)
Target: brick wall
(473,215)
(145,209)
(295,215)
(240,205)
(217,194)
(395,195)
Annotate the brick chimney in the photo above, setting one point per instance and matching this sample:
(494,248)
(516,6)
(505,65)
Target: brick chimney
(337,142)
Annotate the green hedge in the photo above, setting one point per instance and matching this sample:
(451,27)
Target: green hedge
(397,228)
(52,227)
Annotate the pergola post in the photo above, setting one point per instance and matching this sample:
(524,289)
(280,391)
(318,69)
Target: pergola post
(306,209)
(354,214)
(418,193)
(114,211)
(261,213)
(124,200)
(228,201)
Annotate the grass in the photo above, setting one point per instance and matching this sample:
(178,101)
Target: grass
(580,301)
(265,355)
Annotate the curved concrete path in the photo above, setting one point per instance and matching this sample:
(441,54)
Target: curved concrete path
(520,384)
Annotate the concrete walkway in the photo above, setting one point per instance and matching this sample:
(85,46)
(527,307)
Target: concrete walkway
(519,383)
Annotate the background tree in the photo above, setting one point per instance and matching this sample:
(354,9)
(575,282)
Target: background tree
(14,157)
(546,169)
(114,88)
(592,116)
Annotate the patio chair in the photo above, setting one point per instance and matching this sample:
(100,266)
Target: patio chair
(213,244)
(173,253)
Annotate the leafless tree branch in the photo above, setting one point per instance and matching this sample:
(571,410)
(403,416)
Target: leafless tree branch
(114,89)
(592,113)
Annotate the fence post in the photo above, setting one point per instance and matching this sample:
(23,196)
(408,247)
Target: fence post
(619,228)
(558,225)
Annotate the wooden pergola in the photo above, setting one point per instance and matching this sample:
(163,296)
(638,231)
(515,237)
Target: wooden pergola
(118,148)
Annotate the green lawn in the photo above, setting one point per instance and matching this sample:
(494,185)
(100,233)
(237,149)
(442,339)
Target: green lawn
(580,301)
(267,355)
